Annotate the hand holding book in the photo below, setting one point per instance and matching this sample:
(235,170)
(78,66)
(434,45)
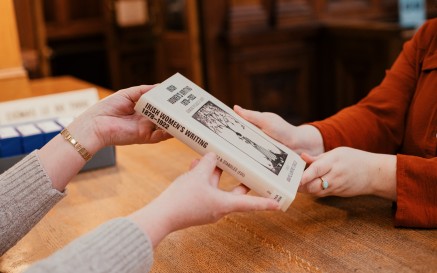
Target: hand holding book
(195,199)
(196,118)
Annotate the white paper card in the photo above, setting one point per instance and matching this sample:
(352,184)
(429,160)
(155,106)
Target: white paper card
(65,121)
(8,132)
(28,130)
(67,104)
(49,126)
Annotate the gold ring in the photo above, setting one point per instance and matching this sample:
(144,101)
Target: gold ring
(324,184)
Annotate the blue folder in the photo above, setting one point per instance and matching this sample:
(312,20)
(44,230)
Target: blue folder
(31,137)
(49,129)
(10,142)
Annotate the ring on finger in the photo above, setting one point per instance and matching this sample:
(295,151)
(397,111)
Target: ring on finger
(324,183)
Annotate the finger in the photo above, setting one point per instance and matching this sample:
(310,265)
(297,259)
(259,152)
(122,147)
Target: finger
(308,158)
(315,170)
(194,163)
(312,187)
(216,177)
(134,93)
(158,136)
(240,189)
(146,131)
(302,188)
(253,117)
(207,164)
(242,203)
(146,88)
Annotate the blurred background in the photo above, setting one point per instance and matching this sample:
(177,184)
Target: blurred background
(303,59)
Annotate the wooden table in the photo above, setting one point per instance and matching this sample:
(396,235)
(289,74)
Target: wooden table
(314,235)
(15,89)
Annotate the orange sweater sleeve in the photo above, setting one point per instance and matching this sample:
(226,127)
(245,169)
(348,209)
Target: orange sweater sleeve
(378,123)
(416,192)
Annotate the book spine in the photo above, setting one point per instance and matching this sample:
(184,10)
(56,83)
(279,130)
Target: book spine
(199,142)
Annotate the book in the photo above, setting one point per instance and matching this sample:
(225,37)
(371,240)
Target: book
(205,124)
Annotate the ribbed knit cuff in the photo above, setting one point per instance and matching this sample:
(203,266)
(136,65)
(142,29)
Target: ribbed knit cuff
(26,195)
(116,246)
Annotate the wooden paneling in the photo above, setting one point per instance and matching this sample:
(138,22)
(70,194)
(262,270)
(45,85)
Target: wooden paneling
(178,43)
(245,16)
(11,69)
(310,48)
(9,47)
(86,41)
(72,19)
(261,62)
(33,39)
(215,53)
(356,55)
(291,12)
(271,72)
(129,50)
(318,56)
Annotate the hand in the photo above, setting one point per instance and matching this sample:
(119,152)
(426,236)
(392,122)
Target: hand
(195,199)
(113,121)
(304,138)
(350,172)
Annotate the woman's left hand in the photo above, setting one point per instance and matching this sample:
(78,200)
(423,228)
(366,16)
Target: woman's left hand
(350,172)
(113,121)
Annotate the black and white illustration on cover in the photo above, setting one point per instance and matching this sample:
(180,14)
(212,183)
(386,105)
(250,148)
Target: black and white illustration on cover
(240,136)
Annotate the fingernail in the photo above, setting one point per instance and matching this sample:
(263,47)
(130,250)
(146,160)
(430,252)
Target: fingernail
(277,206)
(211,155)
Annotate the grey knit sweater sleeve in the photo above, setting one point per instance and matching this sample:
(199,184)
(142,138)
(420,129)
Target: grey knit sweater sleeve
(117,246)
(26,195)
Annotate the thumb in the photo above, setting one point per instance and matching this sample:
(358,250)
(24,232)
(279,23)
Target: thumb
(254,117)
(134,93)
(308,158)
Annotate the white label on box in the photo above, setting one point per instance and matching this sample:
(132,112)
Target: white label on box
(28,130)
(67,104)
(8,132)
(49,126)
(65,121)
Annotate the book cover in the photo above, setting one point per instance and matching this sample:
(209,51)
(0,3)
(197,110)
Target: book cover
(205,124)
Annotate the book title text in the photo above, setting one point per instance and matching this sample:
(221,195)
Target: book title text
(164,121)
